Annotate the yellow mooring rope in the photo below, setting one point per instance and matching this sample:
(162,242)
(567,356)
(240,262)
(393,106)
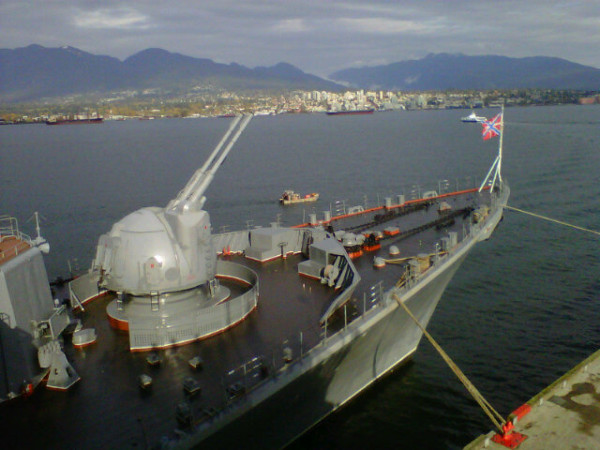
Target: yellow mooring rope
(494,416)
(552,220)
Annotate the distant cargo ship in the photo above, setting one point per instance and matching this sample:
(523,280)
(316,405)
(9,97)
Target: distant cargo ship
(74,121)
(353,111)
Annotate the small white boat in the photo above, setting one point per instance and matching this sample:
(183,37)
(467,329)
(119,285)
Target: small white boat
(290,197)
(473,118)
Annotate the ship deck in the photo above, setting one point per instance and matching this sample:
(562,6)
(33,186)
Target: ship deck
(108,409)
(10,247)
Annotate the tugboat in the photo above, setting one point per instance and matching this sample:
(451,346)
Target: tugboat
(290,197)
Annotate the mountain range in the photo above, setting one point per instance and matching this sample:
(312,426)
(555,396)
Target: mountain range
(34,73)
(457,71)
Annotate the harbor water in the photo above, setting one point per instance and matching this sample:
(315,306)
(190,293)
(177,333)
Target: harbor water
(523,308)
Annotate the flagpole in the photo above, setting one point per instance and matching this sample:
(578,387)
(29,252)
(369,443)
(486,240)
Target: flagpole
(499,167)
(487,177)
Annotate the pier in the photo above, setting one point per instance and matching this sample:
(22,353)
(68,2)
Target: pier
(564,415)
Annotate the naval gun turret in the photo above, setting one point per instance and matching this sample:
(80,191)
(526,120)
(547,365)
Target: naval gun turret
(161,250)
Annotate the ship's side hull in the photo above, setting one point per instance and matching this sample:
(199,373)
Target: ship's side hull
(343,365)
(300,200)
(331,375)
(75,121)
(350,112)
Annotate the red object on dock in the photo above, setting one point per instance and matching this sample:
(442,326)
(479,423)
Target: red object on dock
(509,438)
(521,411)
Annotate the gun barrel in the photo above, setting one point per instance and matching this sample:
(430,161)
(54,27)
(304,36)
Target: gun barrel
(202,178)
(197,193)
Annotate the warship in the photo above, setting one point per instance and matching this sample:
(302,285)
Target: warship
(180,337)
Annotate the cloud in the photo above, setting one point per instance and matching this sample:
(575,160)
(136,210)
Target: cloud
(376,25)
(290,26)
(315,35)
(116,18)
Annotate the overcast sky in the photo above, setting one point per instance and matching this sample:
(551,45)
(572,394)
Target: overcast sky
(317,36)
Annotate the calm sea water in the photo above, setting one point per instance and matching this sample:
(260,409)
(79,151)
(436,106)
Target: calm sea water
(522,310)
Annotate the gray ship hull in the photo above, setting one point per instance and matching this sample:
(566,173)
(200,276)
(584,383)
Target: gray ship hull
(333,366)
(334,373)
(346,366)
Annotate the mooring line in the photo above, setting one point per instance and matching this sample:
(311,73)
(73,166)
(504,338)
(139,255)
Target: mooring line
(539,216)
(494,416)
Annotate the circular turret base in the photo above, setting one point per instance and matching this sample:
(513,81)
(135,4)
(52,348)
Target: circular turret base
(147,311)
(178,318)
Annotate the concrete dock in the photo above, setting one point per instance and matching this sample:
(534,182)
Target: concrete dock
(564,415)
